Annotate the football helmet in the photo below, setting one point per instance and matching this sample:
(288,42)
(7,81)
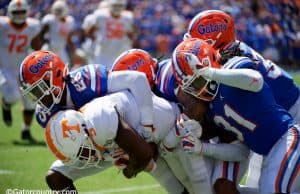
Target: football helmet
(41,78)
(68,136)
(214,26)
(59,8)
(117,6)
(188,60)
(137,60)
(18,11)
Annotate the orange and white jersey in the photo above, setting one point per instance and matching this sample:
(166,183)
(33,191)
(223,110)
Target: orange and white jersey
(112,35)
(102,114)
(59,30)
(15,43)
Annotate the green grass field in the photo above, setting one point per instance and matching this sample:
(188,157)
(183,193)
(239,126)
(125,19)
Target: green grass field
(23,166)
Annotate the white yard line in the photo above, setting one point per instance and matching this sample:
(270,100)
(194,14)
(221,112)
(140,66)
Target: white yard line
(121,190)
(3,171)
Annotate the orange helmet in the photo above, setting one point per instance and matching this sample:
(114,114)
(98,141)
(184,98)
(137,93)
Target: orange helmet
(138,60)
(41,78)
(214,26)
(188,58)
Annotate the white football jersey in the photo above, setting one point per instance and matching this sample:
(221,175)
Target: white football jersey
(102,114)
(112,35)
(58,32)
(15,43)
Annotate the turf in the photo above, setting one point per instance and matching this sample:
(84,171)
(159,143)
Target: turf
(23,166)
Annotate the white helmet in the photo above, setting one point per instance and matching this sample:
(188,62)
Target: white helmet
(59,8)
(117,6)
(18,11)
(68,136)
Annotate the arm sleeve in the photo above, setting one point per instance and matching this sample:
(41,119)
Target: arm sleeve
(235,151)
(137,84)
(246,79)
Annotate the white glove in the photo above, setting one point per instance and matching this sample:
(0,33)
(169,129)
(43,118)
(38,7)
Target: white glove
(191,144)
(120,158)
(184,125)
(202,68)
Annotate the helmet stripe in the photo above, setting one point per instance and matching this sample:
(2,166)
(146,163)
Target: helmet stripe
(178,70)
(51,145)
(19,3)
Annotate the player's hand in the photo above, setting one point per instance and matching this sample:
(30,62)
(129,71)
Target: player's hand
(202,69)
(120,158)
(191,144)
(184,125)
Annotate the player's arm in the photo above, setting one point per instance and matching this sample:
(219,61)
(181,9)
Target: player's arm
(237,73)
(228,149)
(246,79)
(41,35)
(141,154)
(137,84)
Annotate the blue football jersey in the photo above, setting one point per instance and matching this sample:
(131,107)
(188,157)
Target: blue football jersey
(285,90)
(84,84)
(254,117)
(165,82)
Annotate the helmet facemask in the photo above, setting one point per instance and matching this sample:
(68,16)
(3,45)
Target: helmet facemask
(87,156)
(44,92)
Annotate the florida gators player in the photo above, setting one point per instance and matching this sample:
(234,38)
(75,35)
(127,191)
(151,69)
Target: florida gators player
(159,74)
(44,77)
(247,108)
(217,27)
(18,34)
(106,121)
(164,84)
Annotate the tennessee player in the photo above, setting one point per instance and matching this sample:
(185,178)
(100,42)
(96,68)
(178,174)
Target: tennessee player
(87,140)
(163,83)
(232,107)
(115,31)
(60,27)
(217,27)
(18,35)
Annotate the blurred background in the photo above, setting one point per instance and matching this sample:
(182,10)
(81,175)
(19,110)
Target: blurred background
(272,27)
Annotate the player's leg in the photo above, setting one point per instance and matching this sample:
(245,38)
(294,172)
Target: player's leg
(28,113)
(165,177)
(227,175)
(280,168)
(254,170)
(199,171)
(173,161)
(61,177)
(10,94)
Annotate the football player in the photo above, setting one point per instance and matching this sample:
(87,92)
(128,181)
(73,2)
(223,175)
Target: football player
(217,27)
(163,84)
(87,139)
(44,77)
(59,27)
(245,107)
(18,35)
(114,31)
